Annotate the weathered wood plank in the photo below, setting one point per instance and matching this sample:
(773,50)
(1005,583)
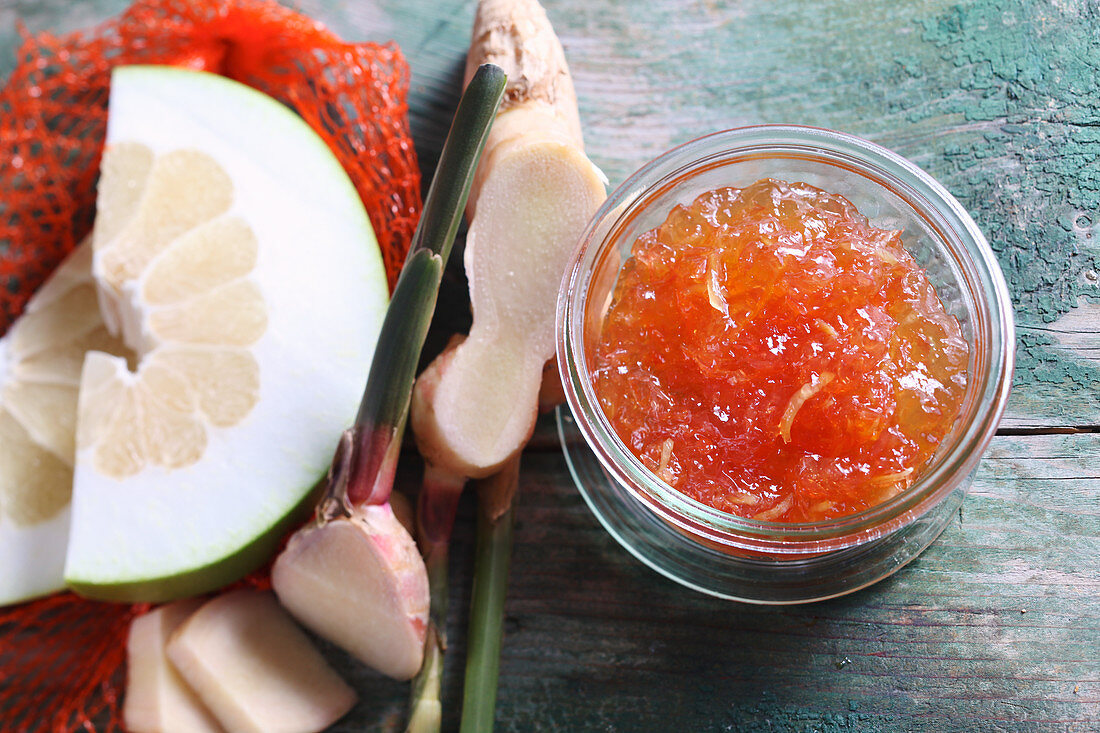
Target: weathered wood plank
(1058,371)
(997,99)
(995,627)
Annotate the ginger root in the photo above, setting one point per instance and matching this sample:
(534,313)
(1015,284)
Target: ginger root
(533,194)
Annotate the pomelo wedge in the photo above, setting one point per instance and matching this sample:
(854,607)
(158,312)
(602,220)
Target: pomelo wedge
(232,253)
(40,361)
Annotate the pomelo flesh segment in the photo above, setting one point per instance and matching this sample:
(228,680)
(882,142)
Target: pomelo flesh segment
(234,255)
(40,364)
(255,669)
(157,699)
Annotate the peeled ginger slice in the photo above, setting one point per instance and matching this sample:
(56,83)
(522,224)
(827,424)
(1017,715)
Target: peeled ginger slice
(531,209)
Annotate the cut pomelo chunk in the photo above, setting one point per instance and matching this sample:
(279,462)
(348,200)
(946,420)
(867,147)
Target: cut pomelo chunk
(255,669)
(40,362)
(157,699)
(233,254)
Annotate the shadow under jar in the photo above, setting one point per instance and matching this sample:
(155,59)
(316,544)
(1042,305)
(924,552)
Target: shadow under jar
(758,561)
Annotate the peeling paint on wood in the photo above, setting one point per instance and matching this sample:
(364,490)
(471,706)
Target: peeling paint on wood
(998,99)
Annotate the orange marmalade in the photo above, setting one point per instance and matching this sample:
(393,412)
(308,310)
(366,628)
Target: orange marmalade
(770,353)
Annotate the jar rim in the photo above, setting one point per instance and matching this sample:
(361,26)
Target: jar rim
(930,199)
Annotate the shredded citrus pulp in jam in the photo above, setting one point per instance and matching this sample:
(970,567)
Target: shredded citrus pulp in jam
(770,353)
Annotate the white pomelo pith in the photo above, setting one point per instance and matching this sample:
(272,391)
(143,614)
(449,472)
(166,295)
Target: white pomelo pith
(234,255)
(40,361)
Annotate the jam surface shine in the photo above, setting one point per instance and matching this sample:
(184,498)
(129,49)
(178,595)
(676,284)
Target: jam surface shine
(770,353)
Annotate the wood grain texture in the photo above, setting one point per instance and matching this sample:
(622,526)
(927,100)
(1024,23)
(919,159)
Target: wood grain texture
(596,641)
(997,99)
(997,626)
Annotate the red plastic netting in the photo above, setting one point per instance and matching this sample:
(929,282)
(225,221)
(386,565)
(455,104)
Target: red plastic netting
(61,658)
(62,663)
(53,115)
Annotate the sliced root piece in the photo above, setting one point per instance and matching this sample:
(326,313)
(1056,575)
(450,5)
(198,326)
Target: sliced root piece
(517,36)
(360,583)
(532,208)
(254,669)
(551,391)
(532,196)
(403,510)
(157,698)
(496,493)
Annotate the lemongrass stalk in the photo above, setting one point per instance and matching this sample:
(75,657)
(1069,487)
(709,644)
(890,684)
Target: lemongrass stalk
(426,709)
(365,463)
(435,515)
(436,508)
(355,525)
(495,523)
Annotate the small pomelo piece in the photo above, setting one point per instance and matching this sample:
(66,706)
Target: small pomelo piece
(255,669)
(234,255)
(40,361)
(157,698)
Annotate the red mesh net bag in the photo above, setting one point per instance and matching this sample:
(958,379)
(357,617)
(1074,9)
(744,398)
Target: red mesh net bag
(62,664)
(53,116)
(62,658)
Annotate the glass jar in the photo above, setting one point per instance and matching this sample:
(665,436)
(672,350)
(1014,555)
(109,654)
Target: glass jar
(772,562)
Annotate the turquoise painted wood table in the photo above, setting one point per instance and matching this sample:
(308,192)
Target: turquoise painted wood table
(997,626)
